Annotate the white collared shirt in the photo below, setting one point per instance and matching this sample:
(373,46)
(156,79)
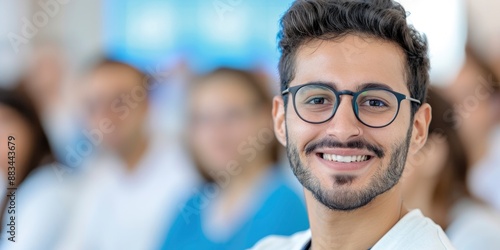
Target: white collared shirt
(413,231)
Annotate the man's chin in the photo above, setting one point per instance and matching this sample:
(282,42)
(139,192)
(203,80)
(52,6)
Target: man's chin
(342,200)
(342,194)
(343,180)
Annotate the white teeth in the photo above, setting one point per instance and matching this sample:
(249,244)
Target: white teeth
(345,158)
(329,157)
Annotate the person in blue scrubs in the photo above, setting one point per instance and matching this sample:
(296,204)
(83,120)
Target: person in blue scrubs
(247,195)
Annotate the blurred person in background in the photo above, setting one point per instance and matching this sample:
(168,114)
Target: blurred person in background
(134,180)
(246,196)
(475,94)
(48,81)
(39,205)
(434,181)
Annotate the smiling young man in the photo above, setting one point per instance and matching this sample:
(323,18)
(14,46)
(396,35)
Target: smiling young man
(354,76)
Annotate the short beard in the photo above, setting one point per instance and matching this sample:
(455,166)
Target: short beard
(341,198)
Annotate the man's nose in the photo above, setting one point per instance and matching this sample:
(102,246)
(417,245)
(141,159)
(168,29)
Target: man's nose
(344,125)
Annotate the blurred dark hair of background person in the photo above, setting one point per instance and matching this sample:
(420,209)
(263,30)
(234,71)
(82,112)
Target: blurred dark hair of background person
(435,182)
(246,196)
(28,157)
(475,94)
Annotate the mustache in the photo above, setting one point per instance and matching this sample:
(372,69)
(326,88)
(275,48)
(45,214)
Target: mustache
(355,144)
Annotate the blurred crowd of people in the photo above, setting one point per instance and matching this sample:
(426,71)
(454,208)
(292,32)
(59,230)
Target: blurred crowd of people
(117,158)
(114,181)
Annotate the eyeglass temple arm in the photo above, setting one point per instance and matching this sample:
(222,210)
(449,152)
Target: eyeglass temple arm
(286,91)
(412,99)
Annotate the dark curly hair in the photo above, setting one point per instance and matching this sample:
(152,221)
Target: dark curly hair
(306,20)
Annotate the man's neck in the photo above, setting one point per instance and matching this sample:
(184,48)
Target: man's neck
(135,153)
(421,197)
(357,229)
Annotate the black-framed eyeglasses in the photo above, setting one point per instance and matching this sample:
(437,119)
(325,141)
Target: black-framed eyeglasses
(374,107)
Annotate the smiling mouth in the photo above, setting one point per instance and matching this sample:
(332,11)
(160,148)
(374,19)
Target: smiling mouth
(345,158)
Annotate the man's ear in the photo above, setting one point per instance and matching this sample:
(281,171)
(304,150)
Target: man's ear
(421,122)
(279,119)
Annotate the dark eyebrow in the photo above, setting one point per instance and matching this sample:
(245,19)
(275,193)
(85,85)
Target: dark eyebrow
(370,85)
(358,88)
(331,84)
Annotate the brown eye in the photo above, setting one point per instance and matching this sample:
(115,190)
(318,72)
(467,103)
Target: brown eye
(317,100)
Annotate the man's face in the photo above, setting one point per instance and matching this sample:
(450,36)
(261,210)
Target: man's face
(377,155)
(115,95)
(224,114)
